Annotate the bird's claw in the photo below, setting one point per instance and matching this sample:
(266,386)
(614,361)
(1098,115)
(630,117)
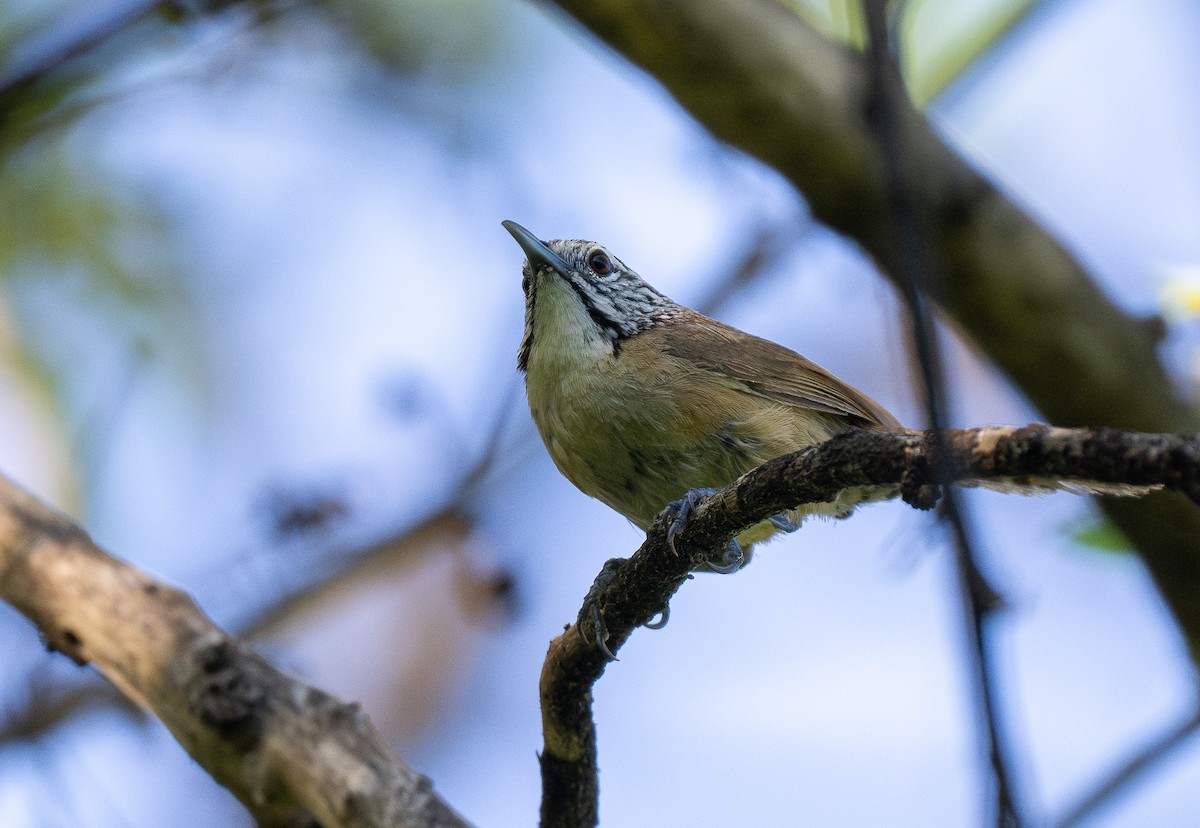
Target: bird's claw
(734,558)
(590,621)
(663,617)
(783,523)
(589,624)
(683,510)
(601,633)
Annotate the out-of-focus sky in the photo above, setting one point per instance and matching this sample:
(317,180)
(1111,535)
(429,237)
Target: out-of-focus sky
(322,304)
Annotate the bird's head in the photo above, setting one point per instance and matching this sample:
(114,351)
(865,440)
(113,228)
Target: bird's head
(582,295)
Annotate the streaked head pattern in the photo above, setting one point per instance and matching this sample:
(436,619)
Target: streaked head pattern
(617,301)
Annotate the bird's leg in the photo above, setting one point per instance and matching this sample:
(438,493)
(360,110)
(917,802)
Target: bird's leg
(733,558)
(590,622)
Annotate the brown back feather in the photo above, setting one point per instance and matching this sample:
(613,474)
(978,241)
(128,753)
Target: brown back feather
(769,370)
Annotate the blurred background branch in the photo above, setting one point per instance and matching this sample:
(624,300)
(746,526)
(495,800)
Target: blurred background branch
(251,268)
(291,753)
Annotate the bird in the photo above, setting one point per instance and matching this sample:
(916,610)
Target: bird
(644,403)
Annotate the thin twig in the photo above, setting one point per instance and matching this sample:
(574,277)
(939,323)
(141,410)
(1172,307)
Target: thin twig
(980,599)
(1130,772)
(328,566)
(47,703)
(759,256)
(71,45)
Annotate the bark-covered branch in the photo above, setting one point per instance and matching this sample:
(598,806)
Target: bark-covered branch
(876,464)
(759,77)
(292,754)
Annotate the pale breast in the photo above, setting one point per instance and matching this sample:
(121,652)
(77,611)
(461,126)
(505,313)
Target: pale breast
(638,433)
(604,436)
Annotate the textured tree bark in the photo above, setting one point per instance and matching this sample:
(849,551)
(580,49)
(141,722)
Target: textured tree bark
(292,754)
(758,77)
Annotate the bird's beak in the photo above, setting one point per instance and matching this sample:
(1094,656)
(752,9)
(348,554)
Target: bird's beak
(536,250)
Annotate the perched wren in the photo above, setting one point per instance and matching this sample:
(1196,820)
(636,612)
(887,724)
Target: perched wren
(641,401)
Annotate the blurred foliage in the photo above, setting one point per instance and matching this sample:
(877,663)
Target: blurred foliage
(28,110)
(939,39)
(452,38)
(1179,294)
(92,280)
(839,20)
(57,214)
(22,20)
(1100,535)
(86,273)
(53,51)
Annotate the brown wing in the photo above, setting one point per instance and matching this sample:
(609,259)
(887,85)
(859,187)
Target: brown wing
(768,369)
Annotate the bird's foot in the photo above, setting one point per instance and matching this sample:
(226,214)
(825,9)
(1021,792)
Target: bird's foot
(733,558)
(783,523)
(683,510)
(590,621)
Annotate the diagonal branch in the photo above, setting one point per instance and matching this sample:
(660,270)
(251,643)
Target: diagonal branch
(291,753)
(875,465)
(1130,772)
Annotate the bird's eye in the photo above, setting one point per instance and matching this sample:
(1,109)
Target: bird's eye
(599,262)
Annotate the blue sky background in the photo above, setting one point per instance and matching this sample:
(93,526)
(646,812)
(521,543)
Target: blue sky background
(335,310)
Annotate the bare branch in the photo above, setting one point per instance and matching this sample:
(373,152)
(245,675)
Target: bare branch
(291,753)
(871,466)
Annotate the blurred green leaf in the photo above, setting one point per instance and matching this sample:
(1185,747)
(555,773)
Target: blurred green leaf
(1100,535)
(31,109)
(941,38)
(89,273)
(839,20)
(57,216)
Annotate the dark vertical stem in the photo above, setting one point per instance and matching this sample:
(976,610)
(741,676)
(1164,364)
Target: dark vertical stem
(570,789)
(980,600)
